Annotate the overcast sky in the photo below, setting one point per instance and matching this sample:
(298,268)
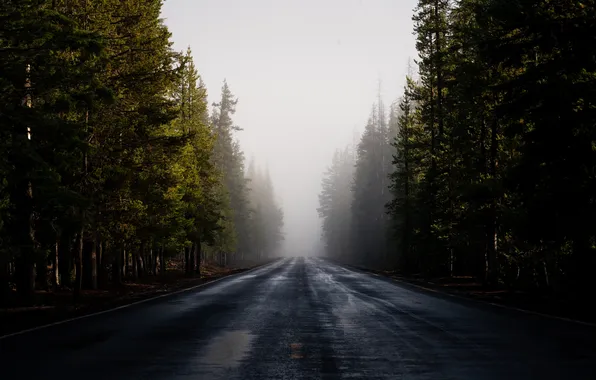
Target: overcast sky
(306,73)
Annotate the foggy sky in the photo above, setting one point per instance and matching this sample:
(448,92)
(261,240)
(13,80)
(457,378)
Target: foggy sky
(306,73)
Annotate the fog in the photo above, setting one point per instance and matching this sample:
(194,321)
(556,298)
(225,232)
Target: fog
(306,74)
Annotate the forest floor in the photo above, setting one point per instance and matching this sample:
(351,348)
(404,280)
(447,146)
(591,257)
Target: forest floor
(471,288)
(51,307)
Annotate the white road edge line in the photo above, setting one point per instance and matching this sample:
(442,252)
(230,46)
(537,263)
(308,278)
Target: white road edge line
(132,304)
(588,324)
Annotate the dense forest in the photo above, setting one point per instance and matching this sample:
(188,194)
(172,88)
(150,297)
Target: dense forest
(111,161)
(486,165)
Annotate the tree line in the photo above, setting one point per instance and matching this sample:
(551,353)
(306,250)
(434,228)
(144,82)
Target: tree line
(110,160)
(486,164)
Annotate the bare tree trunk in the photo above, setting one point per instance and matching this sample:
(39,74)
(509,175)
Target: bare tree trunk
(154,254)
(102,264)
(141,260)
(191,264)
(86,263)
(125,262)
(492,247)
(99,257)
(162,262)
(25,263)
(135,264)
(93,262)
(25,277)
(198,248)
(78,266)
(4,279)
(187,267)
(41,272)
(65,258)
(492,238)
(56,266)
(117,266)
(141,265)
(147,260)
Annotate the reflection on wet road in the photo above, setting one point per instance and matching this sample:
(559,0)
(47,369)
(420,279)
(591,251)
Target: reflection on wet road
(304,318)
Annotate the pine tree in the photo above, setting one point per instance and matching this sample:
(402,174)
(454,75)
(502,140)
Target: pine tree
(229,159)
(431,28)
(370,188)
(405,180)
(48,81)
(197,183)
(266,216)
(546,102)
(335,201)
(109,155)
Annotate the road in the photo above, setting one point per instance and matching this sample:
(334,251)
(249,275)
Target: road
(304,318)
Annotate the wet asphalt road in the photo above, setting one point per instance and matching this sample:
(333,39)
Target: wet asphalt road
(304,318)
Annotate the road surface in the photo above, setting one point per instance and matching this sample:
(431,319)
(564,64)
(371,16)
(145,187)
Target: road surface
(304,318)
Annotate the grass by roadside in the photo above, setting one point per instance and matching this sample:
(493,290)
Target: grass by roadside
(51,307)
(471,288)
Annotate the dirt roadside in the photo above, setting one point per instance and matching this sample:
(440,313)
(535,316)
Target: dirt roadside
(52,307)
(471,288)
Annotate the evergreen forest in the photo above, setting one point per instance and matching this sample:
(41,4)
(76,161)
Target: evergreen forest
(486,165)
(112,160)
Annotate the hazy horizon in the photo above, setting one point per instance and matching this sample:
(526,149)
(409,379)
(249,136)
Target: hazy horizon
(305,73)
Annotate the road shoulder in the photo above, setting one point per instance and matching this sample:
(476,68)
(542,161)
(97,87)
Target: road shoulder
(18,320)
(495,299)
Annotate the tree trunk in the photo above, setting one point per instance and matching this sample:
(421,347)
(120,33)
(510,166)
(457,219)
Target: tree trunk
(491,232)
(99,257)
(482,270)
(117,266)
(25,262)
(141,260)
(154,254)
(56,266)
(41,272)
(65,259)
(162,262)
(125,263)
(187,267)
(491,253)
(102,267)
(427,227)
(86,263)
(25,277)
(4,280)
(93,262)
(192,260)
(147,262)
(78,266)
(439,68)
(198,267)
(140,265)
(135,264)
